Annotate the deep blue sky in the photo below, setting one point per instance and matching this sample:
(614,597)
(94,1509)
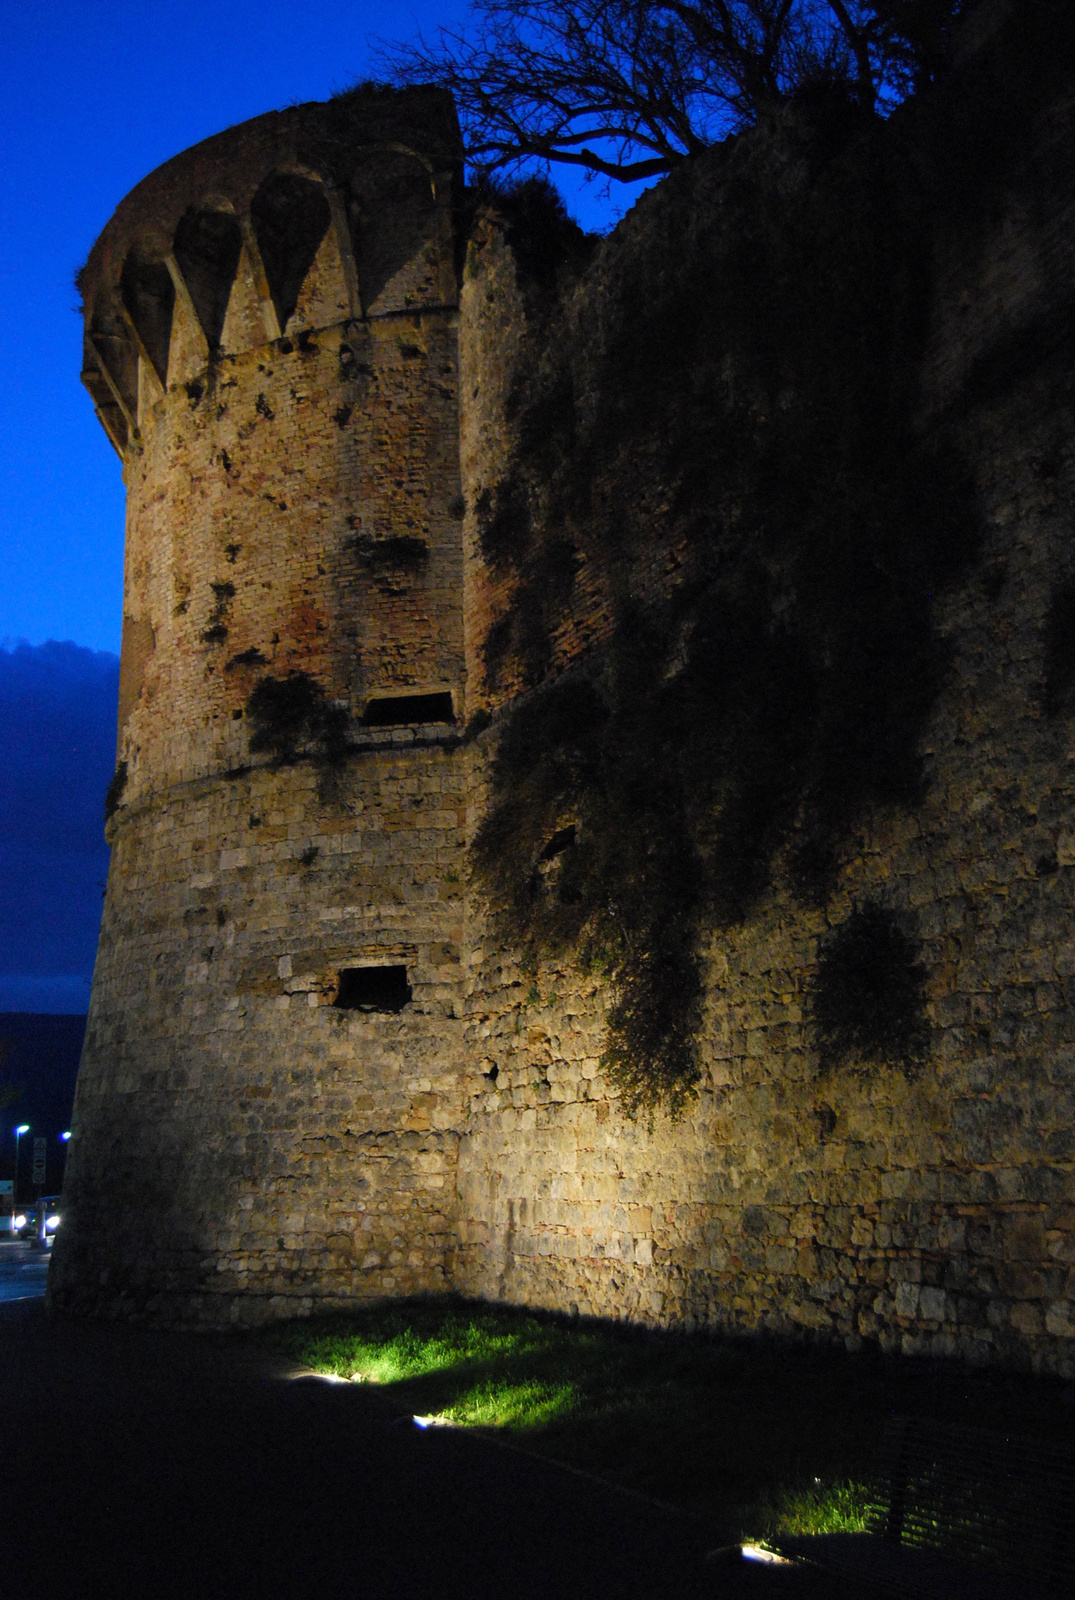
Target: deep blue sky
(92,97)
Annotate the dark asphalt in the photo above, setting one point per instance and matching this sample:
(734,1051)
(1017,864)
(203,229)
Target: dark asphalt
(23,1270)
(142,1464)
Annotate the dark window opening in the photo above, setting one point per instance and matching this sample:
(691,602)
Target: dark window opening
(207,246)
(397,711)
(373,989)
(291,217)
(149,296)
(1059,691)
(561,840)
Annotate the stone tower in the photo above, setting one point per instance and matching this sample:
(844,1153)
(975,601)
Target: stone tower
(271,345)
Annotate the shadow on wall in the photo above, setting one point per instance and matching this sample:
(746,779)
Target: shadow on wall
(777,683)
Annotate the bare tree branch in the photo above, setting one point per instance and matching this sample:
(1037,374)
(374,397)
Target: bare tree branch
(629,88)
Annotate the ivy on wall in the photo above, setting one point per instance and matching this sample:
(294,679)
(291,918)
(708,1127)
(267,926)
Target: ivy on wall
(288,715)
(729,399)
(116,787)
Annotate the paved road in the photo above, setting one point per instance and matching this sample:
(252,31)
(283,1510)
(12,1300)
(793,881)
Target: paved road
(192,1465)
(23,1269)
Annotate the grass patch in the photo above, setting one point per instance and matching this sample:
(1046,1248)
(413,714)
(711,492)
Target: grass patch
(764,1438)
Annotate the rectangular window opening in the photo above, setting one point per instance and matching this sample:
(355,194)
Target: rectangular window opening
(396,711)
(373,989)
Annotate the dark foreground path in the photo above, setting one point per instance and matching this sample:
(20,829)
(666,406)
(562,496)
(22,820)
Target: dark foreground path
(137,1465)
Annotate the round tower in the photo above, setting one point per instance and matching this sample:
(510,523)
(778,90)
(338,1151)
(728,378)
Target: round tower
(268,1104)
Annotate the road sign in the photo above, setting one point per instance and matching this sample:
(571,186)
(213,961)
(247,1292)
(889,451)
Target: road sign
(40,1150)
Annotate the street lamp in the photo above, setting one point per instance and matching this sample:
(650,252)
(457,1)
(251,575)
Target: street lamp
(23,1127)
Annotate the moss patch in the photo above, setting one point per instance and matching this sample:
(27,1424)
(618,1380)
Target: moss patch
(869,998)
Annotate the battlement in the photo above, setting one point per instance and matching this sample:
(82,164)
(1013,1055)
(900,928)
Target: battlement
(296,221)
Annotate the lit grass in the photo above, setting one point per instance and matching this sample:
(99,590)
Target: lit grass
(764,1439)
(821,1508)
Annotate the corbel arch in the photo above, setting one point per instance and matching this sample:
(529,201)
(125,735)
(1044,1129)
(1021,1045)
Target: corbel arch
(290,215)
(392,200)
(147,293)
(207,244)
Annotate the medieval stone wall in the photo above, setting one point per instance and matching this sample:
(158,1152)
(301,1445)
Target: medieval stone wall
(313,453)
(930,1210)
(245,1147)
(247,1138)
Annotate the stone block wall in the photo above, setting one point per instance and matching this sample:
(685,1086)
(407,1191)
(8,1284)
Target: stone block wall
(928,1210)
(309,459)
(242,1147)
(271,339)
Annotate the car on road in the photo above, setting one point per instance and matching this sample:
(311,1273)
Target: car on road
(26,1218)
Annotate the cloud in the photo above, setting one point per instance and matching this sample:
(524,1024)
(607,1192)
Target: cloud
(57,753)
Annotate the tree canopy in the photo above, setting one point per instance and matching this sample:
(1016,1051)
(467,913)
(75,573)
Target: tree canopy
(629,88)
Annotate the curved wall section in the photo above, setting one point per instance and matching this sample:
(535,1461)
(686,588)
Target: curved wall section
(272,347)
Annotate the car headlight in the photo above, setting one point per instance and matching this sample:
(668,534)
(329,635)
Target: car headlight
(52,1222)
(20,1222)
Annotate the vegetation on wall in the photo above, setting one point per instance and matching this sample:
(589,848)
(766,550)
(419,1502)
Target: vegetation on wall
(114,793)
(732,436)
(622,892)
(290,715)
(548,246)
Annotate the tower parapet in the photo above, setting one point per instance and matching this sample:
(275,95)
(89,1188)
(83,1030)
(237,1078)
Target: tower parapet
(271,345)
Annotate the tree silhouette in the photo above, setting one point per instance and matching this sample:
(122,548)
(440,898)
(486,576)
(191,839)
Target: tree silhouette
(629,88)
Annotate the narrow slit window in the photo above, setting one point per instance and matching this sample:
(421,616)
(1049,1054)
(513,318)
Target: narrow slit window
(373,989)
(398,711)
